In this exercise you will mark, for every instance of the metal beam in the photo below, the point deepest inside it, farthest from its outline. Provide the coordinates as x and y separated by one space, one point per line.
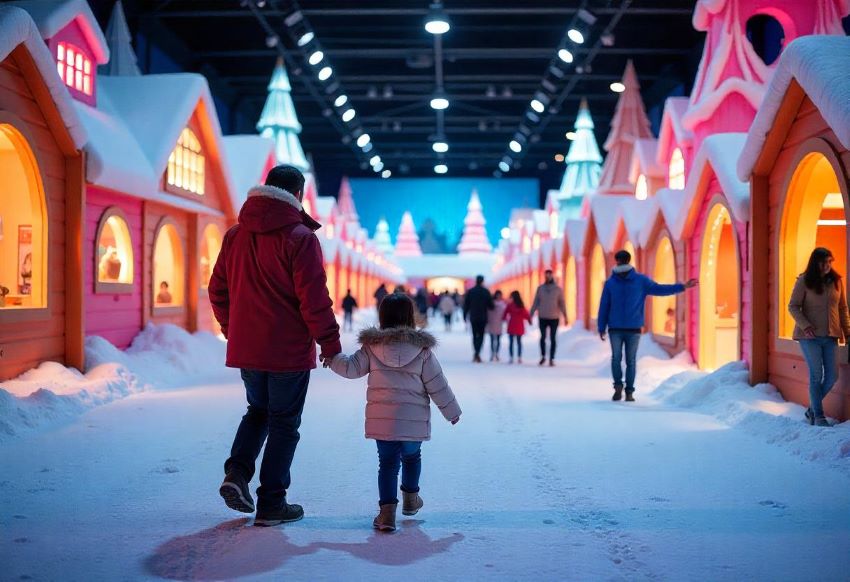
421 12
499 54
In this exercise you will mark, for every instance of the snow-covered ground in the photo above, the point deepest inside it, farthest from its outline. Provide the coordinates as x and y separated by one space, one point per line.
543 478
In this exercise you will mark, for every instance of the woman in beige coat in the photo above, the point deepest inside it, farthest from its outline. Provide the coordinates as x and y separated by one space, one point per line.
404 376
819 307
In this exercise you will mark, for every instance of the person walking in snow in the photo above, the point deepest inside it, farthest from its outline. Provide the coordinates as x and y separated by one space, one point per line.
404 377
447 307
269 293
421 302
495 325
380 293
818 305
621 316
476 304
550 306
349 304
516 315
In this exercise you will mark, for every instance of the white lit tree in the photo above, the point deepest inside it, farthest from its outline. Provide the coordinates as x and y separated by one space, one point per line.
122 58
407 241
474 239
345 201
279 122
584 165
382 237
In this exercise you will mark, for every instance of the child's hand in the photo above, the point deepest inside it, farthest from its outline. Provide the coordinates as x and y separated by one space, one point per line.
455 420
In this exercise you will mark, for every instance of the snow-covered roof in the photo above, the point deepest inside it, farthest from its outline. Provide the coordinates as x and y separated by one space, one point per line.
576 231
447 265
672 128
636 213
606 213
718 154
51 16
541 221
820 65
247 157
324 206
17 28
643 159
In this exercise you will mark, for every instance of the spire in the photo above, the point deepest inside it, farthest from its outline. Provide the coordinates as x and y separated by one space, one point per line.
407 241
630 123
474 239
382 237
584 165
311 195
279 121
345 202
122 59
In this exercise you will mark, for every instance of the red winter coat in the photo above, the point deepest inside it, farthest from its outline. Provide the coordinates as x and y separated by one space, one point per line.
516 316
268 289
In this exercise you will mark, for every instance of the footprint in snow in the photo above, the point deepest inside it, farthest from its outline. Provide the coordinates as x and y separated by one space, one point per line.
21 540
659 499
774 504
166 470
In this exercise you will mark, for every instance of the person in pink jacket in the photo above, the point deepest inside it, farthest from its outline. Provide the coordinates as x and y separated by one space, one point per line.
404 377
516 315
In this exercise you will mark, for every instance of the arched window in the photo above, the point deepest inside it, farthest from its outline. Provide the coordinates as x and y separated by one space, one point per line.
766 36
23 225
186 164
664 308
676 179
210 247
813 216
630 248
169 273
570 282
597 279
641 188
113 257
74 68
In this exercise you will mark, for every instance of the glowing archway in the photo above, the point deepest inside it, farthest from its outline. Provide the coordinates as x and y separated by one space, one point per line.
570 291
597 278
169 274
664 308
676 171
210 247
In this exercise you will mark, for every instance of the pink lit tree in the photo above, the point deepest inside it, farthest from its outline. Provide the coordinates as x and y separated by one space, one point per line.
407 241
474 239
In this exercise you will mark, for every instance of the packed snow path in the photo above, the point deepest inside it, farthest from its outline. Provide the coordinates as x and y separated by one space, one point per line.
544 478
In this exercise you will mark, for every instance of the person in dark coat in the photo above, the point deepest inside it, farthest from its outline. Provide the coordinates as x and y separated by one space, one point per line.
380 293
621 316
349 304
476 305
269 293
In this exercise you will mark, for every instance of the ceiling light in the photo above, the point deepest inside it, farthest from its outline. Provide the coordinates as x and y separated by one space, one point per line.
440 100
306 38
367 148
374 161
576 36
441 169
437 22
272 40
316 57
386 174
571 135
504 166
378 167
341 100
363 140
537 106
559 157
515 146
506 232
325 73
565 55
348 115
440 147
617 87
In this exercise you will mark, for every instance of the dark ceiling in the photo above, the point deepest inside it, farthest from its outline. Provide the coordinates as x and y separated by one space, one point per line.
494 58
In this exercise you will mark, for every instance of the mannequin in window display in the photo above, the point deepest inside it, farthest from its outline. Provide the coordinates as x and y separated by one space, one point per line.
110 265
25 288
164 295
206 271
3 292
670 323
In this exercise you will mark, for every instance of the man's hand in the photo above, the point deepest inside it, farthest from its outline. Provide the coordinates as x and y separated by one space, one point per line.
809 332
691 283
602 336
326 360
455 420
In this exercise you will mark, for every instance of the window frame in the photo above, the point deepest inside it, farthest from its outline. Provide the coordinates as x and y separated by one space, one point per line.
677 159
180 190
106 287
166 310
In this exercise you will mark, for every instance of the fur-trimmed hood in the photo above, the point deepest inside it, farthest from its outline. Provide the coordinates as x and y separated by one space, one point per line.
396 346
269 208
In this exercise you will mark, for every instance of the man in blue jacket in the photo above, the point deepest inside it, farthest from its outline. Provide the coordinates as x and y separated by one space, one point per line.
621 316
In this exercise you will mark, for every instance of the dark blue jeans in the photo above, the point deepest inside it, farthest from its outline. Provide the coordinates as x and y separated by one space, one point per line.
628 341
391 456
821 355
552 326
518 339
275 403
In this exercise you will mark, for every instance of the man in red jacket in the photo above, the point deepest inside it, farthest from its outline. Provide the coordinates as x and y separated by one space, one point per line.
269 293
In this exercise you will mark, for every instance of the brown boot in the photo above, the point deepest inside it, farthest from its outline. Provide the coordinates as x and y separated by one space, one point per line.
412 503
385 520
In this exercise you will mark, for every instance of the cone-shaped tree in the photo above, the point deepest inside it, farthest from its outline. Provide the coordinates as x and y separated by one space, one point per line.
584 165
345 201
382 237
122 59
630 123
280 123
474 239
407 241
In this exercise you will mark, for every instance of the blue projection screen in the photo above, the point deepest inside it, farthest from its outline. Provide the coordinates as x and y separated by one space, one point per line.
438 205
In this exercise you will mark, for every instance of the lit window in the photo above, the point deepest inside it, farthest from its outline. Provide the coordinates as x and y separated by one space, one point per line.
598 275
664 308
168 272
677 170
186 164
210 247
23 225
114 257
74 68
641 189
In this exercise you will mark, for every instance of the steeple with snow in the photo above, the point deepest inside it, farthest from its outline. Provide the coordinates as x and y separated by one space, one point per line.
345 201
474 239
382 237
122 58
407 241
280 123
584 165
629 124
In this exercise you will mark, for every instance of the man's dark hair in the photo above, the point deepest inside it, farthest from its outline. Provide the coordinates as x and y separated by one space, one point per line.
548 272
396 310
287 178
479 280
623 257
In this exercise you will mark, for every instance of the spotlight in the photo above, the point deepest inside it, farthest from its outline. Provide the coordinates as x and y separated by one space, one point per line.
565 55
363 140
504 166
576 36
439 100
617 87
441 168
374 161
367 148
506 232
515 146
440 147
272 40
532 116
571 135
325 73
388 92
559 158
261 3
537 106
437 22
378 167
316 58
386 174
341 100
306 38
348 115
